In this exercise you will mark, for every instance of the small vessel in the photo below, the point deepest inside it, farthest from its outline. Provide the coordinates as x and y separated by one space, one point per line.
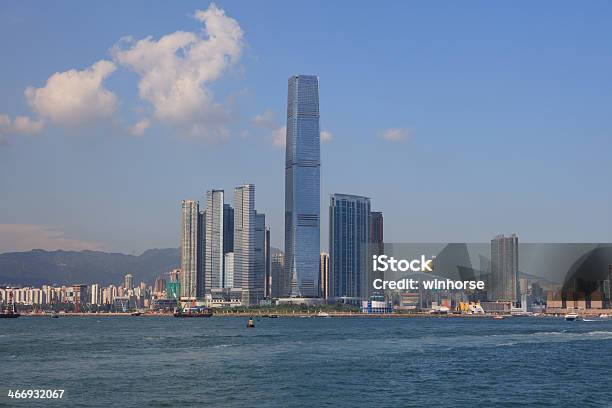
603 316
323 314
570 317
193 312
9 312
54 315
250 323
273 316
498 317
136 313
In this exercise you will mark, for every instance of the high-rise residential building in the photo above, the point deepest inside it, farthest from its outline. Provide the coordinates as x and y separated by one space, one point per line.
128 281
214 271
228 229
191 280
504 282
260 254
280 284
349 253
302 186
324 275
245 224
96 294
267 265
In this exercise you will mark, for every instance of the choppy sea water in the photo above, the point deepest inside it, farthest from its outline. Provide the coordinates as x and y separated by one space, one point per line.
306 362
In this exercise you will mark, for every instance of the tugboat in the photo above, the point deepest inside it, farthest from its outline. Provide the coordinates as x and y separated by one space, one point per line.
193 312
9 312
250 323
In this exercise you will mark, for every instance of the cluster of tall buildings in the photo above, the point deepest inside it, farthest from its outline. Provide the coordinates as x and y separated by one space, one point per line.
225 250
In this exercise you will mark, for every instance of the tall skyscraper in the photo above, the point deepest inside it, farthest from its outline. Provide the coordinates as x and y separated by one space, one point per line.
191 279
377 246
214 271
267 266
349 239
504 282
128 281
260 255
302 186
324 275
245 270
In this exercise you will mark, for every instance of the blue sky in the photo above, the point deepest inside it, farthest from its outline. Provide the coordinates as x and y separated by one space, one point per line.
460 120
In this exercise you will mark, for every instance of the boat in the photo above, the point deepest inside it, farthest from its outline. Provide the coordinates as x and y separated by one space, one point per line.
193 312
136 313
498 317
250 323
323 314
273 316
10 311
54 315
603 316
570 317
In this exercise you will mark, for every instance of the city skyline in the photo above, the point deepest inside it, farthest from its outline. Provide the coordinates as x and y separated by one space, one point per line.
457 149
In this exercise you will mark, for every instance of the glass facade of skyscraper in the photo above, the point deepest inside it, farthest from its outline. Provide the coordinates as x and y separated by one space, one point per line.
302 186
349 246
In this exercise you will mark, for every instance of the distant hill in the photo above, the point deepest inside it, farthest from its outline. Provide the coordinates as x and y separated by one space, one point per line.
39 267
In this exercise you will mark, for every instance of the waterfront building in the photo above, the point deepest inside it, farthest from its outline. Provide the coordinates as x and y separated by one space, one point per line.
96 298
260 255
302 186
349 238
214 271
192 284
245 273
324 275
128 281
504 282
267 265
280 282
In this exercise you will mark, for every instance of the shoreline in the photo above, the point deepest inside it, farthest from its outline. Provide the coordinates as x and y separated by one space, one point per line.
295 315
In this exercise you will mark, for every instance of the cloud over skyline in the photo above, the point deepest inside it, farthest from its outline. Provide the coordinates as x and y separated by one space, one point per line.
177 70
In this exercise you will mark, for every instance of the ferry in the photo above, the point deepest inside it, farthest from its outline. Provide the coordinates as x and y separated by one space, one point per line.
9 312
570 317
193 312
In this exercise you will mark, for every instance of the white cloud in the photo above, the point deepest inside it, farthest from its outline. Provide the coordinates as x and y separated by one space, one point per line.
279 136
24 124
21 125
326 136
395 134
265 119
139 128
177 70
24 237
75 97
